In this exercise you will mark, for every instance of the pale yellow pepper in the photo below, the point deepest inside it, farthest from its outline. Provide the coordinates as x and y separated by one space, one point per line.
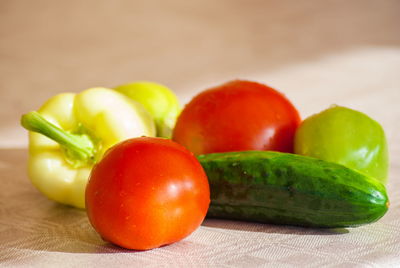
71 132
160 101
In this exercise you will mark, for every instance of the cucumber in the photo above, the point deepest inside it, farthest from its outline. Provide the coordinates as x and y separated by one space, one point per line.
282 188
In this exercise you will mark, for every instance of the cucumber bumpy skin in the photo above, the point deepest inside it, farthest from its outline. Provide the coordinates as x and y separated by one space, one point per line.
282 188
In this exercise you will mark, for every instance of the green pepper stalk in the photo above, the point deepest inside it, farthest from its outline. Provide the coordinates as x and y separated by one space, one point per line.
79 149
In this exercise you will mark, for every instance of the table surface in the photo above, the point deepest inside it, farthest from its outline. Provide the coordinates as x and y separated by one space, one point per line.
348 54
36 231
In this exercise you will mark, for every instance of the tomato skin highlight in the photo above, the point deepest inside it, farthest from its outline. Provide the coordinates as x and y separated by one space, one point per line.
236 116
147 192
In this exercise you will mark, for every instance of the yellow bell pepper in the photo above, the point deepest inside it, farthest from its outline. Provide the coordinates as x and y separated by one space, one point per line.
71 132
160 101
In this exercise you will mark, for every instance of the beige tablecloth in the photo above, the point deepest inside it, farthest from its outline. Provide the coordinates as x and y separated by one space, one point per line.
37 232
316 52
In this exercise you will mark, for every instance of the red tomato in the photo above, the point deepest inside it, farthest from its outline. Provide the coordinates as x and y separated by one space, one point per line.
147 192
237 116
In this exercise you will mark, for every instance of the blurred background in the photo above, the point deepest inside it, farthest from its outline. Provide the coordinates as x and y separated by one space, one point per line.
315 52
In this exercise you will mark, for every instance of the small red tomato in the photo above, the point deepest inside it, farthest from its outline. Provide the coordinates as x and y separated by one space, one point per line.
237 116
147 192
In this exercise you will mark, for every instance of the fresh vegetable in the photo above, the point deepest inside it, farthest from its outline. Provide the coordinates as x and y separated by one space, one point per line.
71 132
283 188
147 192
237 116
347 137
159 100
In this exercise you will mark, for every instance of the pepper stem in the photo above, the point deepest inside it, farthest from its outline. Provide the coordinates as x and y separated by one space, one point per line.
77 147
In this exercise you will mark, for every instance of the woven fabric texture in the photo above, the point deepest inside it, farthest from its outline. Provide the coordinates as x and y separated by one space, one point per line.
36 232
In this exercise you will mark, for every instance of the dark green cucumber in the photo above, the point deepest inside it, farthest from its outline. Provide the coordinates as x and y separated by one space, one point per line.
281 188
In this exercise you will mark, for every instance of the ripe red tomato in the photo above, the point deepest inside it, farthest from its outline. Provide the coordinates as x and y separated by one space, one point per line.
237 116
147 192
